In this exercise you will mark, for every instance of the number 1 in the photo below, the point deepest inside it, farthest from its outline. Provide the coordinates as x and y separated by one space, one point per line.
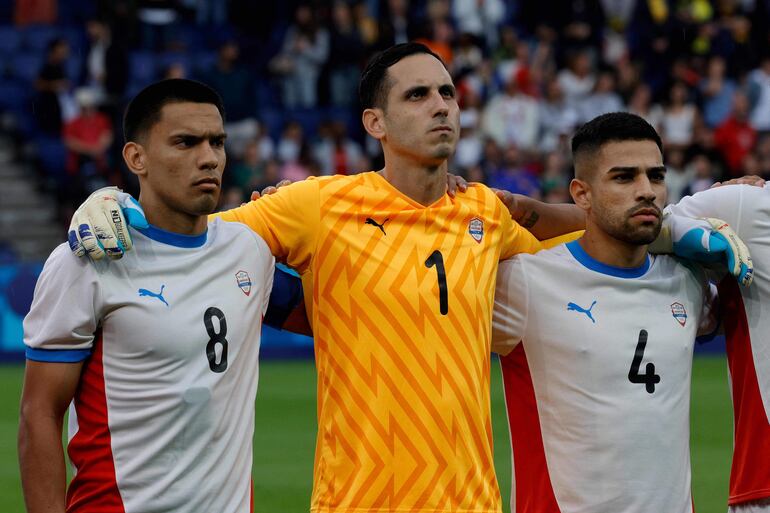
437 259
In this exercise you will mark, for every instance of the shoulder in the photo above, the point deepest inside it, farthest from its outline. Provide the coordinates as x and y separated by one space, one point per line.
232 233
61 260
480 197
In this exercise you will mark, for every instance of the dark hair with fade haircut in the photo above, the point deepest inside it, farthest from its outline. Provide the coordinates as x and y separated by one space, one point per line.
144 109
612 127
374 85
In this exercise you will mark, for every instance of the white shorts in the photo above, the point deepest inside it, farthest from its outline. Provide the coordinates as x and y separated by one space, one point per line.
760 506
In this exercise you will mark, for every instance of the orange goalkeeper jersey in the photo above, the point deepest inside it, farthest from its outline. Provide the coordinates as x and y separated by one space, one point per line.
400 299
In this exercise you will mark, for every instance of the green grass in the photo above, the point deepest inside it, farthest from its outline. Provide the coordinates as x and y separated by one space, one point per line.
285 436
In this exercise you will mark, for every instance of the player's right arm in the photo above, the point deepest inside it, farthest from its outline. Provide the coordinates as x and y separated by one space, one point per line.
58 334
509 317
48 390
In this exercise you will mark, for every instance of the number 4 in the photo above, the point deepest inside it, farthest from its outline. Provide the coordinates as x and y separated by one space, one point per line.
649 378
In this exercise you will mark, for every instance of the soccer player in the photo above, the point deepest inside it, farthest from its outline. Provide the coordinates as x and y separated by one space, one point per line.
598 338
747 330
401 277
156 353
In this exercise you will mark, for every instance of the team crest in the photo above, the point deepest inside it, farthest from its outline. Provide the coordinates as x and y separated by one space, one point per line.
244 281
679 313
476 229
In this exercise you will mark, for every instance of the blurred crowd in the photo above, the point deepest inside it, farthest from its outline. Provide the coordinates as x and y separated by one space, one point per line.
527 72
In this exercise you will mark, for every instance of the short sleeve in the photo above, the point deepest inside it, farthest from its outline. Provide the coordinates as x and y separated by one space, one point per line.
509 318
288 221
65 311
284 298
724 203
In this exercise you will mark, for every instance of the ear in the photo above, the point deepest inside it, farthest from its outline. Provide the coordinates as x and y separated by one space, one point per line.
134 157
374 122
581 193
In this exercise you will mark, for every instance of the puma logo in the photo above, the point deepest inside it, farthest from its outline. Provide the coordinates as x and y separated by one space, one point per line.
149 293
372 222
578 308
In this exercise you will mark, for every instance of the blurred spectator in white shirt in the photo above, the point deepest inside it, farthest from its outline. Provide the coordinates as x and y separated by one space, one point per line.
512 117
759 89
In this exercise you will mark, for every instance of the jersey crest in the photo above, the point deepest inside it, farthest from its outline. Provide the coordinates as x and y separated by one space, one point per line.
244 281
679 313
476 229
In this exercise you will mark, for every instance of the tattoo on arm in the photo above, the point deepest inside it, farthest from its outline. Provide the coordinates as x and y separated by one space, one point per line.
529 219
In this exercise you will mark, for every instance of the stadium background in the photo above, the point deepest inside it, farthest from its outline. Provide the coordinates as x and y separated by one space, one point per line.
527 74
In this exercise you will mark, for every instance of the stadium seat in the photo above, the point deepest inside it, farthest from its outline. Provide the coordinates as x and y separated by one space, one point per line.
165 60
26 66
10 41
37 37
52 156
14 94
204 61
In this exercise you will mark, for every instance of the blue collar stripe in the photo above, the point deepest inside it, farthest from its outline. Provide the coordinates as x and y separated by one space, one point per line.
57 355
619 272
174 239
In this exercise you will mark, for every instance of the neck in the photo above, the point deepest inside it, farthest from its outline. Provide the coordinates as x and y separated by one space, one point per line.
608 250
425 184
164 217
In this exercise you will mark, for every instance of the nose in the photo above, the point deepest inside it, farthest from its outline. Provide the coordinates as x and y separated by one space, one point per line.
645 191
440 105
208 158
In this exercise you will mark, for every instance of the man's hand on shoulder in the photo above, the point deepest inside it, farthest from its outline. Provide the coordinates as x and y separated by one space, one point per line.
99 226
705 240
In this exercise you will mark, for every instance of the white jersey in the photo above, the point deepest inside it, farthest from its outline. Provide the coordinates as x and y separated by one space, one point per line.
598 392
746 318
163 417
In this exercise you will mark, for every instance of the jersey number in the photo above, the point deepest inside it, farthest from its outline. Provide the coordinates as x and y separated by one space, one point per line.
649 379
216 338
437 259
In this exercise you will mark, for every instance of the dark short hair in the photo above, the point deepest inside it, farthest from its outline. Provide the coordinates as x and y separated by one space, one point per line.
612 127
144 109
374 86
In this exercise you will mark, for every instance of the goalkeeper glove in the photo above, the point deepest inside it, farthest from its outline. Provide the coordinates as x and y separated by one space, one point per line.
705 240
99 227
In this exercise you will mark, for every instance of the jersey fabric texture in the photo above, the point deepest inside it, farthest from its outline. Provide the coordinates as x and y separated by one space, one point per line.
163 417
400 296
747 330
598 390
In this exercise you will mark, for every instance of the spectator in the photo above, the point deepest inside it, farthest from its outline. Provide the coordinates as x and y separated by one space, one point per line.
512 118
235 84
678 117
272 175
555 179
467 55
556 117
304 53
604 99
641 105
578 79
158 19
703 175
106 63
347 52
87 138
302 167
678 177
717 91
250 170
292 139
759 89
470 147
394 27
480 18
513 176
338 154
439 40
735 137
53 98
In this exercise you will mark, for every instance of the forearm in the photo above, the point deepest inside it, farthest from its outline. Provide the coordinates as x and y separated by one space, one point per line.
548 220
41 461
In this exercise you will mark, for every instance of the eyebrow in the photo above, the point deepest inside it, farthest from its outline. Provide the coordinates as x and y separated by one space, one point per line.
424 89
196 137
634 169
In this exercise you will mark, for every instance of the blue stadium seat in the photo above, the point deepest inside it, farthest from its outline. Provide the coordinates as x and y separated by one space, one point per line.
52 156
142 67
204 61
10 40
26 66
165 60
14 94
37 37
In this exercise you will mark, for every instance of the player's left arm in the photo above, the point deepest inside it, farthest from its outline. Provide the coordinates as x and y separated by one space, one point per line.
543 220
709 318
286 307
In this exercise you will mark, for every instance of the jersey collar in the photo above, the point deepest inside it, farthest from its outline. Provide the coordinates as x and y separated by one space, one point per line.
174 239
619 272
